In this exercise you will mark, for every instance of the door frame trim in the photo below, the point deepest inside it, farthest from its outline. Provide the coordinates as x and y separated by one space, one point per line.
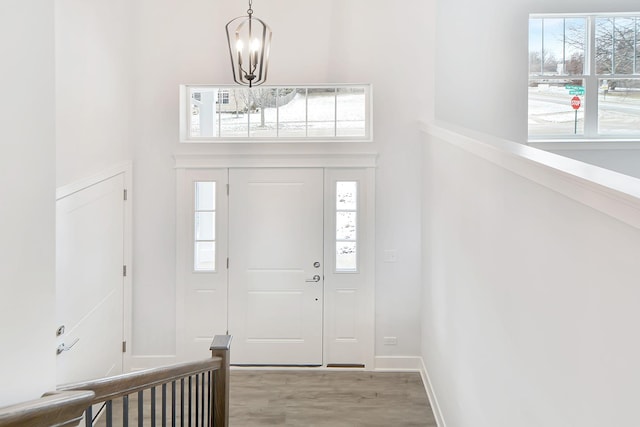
276 160
287 159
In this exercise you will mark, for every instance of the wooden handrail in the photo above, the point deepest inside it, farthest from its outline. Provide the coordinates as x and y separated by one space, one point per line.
58 409
125 384
65 406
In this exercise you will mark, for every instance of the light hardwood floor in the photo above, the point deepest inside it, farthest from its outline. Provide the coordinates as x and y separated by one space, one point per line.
309 399
336 399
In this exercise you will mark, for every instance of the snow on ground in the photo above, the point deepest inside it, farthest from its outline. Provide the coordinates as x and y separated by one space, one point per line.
318 111
550 112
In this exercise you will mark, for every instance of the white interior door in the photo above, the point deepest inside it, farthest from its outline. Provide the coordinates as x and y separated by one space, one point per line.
89 281
276 266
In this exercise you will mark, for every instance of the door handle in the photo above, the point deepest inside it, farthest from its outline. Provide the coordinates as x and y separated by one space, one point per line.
315 279
63 347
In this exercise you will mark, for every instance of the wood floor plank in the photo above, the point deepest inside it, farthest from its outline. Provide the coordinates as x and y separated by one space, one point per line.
313 399
336 399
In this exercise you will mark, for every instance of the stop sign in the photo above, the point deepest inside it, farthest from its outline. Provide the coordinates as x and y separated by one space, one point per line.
575 102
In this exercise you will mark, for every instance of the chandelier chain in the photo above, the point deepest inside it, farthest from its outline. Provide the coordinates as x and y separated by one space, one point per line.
250 10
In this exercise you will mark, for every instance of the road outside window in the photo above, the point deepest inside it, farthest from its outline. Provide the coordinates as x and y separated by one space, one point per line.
584 76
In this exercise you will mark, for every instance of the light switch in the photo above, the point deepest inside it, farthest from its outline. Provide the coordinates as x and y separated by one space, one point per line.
391 255
390 340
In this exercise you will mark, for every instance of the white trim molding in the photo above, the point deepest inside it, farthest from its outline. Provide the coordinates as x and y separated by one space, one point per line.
69 189
431 394
585 145
398 363
275 160
412 364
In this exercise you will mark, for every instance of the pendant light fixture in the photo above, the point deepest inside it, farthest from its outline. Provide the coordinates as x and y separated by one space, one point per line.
249 41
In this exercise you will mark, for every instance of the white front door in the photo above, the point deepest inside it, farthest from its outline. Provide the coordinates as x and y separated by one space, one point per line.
276 266
89 281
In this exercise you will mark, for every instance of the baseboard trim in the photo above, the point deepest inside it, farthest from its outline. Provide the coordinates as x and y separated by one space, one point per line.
412 364
139 363
398 363
431 394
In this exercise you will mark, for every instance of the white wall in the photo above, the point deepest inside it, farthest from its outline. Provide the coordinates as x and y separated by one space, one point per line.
94 86
66 99
482 60
314 42
27 187
530 294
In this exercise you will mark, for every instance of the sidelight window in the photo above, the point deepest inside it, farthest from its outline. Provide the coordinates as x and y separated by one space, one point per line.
346 226
205 226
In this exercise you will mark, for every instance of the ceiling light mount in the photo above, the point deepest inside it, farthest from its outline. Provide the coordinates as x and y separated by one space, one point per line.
249 43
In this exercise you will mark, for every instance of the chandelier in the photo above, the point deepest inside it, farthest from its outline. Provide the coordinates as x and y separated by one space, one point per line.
249 41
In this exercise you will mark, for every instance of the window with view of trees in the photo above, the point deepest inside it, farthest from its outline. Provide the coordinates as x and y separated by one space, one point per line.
584 76
213 113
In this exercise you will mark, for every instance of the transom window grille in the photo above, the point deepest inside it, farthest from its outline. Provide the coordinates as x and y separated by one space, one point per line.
232 113
584 76
204 258
346 226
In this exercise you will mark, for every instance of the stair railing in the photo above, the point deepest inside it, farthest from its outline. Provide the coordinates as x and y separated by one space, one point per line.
193 393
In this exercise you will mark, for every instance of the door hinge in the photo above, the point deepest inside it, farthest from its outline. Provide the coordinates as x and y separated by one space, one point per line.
227 189
124 271
124 346
227 263
125 194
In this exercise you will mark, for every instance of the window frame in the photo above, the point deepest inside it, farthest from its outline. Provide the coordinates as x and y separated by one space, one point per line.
590 80
194 235
185 116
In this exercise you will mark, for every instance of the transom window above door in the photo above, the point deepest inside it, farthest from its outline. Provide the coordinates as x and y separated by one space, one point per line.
275 113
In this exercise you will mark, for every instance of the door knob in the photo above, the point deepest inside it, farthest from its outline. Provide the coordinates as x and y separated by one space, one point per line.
315 278
316 264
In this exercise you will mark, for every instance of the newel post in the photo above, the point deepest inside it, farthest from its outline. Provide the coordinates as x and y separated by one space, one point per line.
220 414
